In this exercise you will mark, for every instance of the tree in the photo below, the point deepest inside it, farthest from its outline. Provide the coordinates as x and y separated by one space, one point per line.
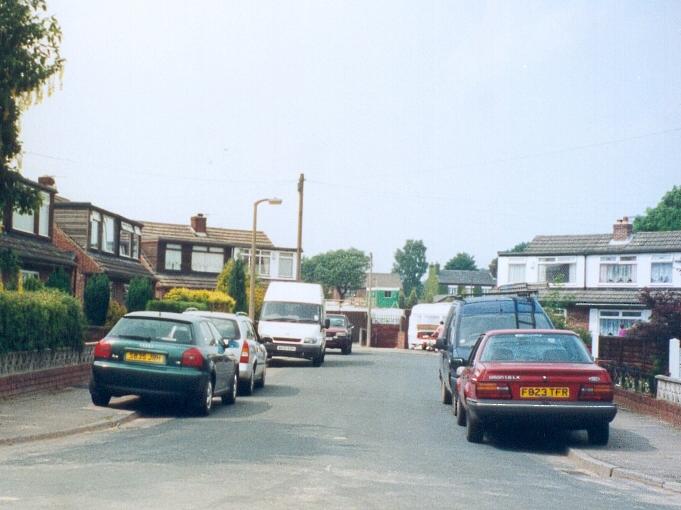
140 292
462 261
236 286
412 300
410 264
520 247
665 216
432 285
29 60
59 280
96 298
494 266
9 269
342 270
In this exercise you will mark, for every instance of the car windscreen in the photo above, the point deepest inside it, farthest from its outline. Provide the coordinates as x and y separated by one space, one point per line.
150 329
337 322
478 318
535 348
290 312
228 328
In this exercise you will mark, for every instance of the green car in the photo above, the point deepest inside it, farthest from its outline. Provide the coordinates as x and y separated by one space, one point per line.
165 355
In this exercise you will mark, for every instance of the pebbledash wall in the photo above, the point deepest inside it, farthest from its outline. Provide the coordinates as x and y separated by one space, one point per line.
36 371
669 389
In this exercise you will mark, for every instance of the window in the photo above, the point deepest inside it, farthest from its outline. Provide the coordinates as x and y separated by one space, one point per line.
206 334
23 222
136 243
618 270
108 234
516 273
207 259
615 322
661 269
125 237
95 229
173 257
387 293
263 261
552 270
44 215
228 328
25 275
286 265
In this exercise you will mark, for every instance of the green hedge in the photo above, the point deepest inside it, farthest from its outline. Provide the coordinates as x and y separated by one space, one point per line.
40 320
168 305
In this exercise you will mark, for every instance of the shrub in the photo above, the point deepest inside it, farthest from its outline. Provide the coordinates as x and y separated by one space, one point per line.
236 286
59 279
163 305
96 298
140 291
9 269
33 284
115 312
223 277
260 291
214 300
40 320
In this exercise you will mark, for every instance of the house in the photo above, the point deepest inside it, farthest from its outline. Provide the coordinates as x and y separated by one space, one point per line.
464 282
103 242
599 276
31 236
192 255
385 289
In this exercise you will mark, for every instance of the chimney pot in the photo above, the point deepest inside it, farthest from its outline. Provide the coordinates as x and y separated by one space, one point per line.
198 223
622 229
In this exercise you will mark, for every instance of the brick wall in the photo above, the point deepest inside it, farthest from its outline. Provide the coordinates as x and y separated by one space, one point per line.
44 380
644 404
385 335
84 263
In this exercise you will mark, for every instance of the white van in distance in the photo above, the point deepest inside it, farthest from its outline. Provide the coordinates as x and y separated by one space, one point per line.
293 321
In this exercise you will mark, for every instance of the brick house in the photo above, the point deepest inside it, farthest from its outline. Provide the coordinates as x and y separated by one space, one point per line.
599 276
103 242
193 255
32 237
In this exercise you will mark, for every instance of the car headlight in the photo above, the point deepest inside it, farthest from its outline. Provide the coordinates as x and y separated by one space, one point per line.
310 340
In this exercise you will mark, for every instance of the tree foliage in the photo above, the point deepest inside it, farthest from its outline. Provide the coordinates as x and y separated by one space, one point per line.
9 269
462 261
411 265
236 286
140 292
520 247
96 298
29 60
432 285
665 216
60 280
342 270
412 300
494 266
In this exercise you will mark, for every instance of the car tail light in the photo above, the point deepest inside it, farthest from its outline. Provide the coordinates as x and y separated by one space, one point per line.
192 358
597 392
245 349
492 390
102 350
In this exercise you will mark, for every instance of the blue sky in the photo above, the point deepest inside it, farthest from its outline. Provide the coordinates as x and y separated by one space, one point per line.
470 125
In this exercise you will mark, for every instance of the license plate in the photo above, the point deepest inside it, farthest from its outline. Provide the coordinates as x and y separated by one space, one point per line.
145 357
544 392
291 348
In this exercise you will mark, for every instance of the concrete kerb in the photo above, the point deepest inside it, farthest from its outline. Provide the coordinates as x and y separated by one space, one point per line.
605 470
92 427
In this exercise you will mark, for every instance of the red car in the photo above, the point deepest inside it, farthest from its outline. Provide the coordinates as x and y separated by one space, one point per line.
533 377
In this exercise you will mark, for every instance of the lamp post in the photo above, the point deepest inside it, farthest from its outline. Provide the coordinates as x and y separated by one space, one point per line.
251 294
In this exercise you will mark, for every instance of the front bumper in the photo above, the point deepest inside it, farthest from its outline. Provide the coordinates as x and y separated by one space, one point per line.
293 350
573 414
337 342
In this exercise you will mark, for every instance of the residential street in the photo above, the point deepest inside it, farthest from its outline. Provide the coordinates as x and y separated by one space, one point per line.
363 431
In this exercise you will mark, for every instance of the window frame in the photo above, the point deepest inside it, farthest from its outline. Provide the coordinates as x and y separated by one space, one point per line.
618 261
174 248
104 242
289 258
207 250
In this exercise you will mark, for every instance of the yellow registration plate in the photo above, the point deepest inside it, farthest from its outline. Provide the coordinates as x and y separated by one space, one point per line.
544 392
146 357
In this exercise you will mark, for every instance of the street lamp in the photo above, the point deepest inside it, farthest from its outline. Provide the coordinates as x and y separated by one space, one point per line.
251 295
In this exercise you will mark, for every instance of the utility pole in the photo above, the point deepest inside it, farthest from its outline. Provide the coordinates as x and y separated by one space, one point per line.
370 297
299 249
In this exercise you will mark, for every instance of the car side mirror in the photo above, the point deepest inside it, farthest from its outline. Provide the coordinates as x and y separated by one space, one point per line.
441 343
459 371
455 363
327 323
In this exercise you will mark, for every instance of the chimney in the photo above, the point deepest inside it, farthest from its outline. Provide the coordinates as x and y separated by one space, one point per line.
621 230
46 180
198 223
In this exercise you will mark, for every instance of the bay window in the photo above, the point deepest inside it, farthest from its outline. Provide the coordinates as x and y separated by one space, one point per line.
173 258
207 259
618 269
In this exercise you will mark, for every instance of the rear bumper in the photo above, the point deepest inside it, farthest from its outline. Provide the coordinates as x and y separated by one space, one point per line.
118 379
293 350
566 414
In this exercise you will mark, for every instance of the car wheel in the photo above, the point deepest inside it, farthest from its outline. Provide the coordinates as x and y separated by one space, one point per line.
474 431
317 360
246 387
205 400
445 394
261 382
230 396
599 434
460 413
347 349
100 398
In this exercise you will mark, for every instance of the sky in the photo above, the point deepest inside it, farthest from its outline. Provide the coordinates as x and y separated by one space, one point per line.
472 126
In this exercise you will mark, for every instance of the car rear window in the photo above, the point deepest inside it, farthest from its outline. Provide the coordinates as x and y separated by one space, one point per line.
535 348
228 328
148 329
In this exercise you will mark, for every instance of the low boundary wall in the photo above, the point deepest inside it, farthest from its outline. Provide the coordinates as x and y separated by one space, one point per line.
646 404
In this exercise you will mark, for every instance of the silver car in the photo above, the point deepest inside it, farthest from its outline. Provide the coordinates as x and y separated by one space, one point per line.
251 353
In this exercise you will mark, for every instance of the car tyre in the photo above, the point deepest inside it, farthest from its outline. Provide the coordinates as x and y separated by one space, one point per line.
100 398
347 348
230 397
246 387
260 383
317 360
205 399
599 434
460 413
474 431
445 394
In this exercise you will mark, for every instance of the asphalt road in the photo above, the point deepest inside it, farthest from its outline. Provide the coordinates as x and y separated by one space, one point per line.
362 431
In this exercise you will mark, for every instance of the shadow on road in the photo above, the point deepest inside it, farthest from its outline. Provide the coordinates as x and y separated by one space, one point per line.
542 441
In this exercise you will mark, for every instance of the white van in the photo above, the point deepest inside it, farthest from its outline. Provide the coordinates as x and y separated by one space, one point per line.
293 321
423 322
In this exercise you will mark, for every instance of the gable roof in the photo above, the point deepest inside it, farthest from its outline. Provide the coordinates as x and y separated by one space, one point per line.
640 242
152 231
465 277
384 281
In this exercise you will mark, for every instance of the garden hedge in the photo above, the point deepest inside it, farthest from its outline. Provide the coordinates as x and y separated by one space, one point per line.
213 299
167 305
45 319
